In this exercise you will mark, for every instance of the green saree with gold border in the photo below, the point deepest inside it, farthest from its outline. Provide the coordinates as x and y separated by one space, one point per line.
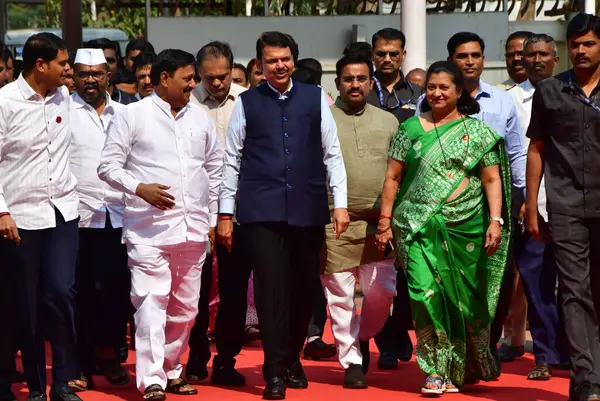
453 285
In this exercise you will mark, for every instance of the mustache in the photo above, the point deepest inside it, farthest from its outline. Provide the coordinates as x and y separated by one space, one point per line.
92 86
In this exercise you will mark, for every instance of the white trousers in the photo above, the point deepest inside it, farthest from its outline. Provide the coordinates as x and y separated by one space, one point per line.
378 285
165 287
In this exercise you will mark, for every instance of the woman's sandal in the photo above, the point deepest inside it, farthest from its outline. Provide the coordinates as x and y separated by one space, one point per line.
114 373
450 387
540 372
154 393
434 385
181 387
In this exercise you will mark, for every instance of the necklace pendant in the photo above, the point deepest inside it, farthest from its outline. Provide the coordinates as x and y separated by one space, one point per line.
450 175
465 137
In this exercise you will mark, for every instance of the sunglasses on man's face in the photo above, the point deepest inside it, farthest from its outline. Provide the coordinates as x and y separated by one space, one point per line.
392 54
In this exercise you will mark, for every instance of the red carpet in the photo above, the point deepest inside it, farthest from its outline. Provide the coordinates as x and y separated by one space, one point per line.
326 379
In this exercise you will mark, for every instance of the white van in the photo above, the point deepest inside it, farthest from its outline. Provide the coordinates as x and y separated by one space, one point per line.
15 39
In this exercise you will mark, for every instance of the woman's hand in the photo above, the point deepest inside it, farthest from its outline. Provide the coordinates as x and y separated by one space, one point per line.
493 237
384 234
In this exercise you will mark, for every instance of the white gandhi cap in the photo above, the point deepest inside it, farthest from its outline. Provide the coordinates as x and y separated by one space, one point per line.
90 57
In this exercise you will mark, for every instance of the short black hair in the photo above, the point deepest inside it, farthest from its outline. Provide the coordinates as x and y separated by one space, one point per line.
583 23
461 38
466 104
313 66
388 34
42 45
215 50
142 60
362 48
517 35
353 58
6 54
100 43
276 39
139 44
252 63
244 69
169 61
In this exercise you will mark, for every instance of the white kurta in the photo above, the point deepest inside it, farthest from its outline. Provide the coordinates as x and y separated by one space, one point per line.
166 249
88 134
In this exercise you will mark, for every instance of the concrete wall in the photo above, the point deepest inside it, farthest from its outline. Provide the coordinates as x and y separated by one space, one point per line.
324 37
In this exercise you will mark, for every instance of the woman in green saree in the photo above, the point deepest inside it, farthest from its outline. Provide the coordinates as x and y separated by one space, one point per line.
444 209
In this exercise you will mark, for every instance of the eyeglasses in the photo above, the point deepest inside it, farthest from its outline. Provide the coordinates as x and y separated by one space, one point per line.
362 79
95 75
513 54
392 54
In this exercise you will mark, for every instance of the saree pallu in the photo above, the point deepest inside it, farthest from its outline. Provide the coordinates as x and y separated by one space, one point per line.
453 284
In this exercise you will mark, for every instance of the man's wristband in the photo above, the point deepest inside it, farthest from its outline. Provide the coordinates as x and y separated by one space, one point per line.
4 214
225 217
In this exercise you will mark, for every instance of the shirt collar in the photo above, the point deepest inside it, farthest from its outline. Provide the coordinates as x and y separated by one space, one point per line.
284 93
340 104
166 107
527 87
28 92
202 94
484 90
80 103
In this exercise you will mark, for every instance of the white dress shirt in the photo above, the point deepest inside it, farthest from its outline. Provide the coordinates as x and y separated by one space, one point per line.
234 145
35 176
219 111
146 144
522 94
88 134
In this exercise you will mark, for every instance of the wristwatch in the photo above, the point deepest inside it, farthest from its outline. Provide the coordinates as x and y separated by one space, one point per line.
498 219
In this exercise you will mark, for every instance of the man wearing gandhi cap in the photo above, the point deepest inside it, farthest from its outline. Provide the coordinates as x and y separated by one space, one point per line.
38 214
103 281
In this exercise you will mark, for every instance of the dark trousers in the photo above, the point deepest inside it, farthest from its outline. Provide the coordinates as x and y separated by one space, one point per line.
44 280
198 342
233 301
400 320
506 290
576 244
537 268
8 316
286 262
103 287
316 326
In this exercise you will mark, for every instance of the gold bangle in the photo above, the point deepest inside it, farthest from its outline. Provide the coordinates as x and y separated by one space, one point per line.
383 230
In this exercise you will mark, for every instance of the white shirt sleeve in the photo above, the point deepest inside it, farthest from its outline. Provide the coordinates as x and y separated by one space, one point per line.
332 156
234 143
115 152
213 164
418 106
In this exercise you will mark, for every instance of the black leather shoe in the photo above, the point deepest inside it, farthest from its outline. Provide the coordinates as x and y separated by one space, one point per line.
227 376
366 356
387 361
16 376
195 372
508 353
586 392
296 376
405 346
36 396
7 395
63 393
354 377
319 349
275 389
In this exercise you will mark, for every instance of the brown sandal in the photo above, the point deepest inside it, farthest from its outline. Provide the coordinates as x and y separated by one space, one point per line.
154 393
540 372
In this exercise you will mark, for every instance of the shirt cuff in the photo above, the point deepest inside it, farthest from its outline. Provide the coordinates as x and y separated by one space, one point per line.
131 184
340 201
226 206
213 219
3 205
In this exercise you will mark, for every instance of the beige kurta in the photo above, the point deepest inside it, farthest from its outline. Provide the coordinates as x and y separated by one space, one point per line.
365 138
